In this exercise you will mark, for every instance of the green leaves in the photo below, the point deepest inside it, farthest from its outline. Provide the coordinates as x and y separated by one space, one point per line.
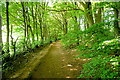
99 67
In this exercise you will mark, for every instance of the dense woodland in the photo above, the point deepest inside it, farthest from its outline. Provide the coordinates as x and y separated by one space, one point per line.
91 27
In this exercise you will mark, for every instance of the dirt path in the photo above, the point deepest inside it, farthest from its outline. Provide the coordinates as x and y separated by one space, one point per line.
58 64
51 62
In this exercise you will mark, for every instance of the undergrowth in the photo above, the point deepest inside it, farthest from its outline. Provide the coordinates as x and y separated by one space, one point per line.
99 44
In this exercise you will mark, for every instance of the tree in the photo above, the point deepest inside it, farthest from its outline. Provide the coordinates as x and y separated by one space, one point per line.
116 8
0 34
7 20
25 25
88 9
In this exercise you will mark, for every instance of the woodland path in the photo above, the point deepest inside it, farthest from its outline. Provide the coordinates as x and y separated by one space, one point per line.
58 63
53 61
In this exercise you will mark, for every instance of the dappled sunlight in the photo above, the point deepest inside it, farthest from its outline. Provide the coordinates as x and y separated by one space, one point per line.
77 58
62 53
68 77
73 69
63 60
86 59
74 50
69 65
51 44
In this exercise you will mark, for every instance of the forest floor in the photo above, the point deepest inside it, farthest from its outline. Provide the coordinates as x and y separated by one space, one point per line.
52 62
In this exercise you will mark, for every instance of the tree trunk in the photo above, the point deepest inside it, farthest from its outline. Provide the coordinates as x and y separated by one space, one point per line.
98 13
45 31
27 27
76 28
11 35
31 32
66 28
0 34
33 17
98 16
41 30
36 25
13 43
7 16
24 16
0 44
89 16
116 23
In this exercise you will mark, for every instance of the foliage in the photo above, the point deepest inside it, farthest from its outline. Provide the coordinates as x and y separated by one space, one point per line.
87 26
70 40
98 44
101 67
